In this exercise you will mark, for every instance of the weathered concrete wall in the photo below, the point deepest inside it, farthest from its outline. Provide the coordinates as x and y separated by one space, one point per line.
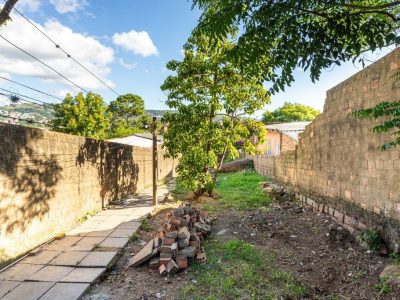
337 155
49 180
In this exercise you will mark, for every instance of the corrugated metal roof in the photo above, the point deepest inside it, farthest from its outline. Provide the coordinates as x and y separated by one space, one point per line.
291 129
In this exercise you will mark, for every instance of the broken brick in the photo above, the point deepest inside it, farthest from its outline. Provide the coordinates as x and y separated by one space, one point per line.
163 270
182 262
194 244
179 212
143 255
171 235
189 251
201 257
183 232
154 263
183 243
172 267
174 250
175 222
165 249
165 258
167 241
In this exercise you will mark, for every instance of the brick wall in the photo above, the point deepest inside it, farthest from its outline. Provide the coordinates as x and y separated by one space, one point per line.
49 180
337 155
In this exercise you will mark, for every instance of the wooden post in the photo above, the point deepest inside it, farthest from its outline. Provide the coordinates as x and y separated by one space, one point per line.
155 161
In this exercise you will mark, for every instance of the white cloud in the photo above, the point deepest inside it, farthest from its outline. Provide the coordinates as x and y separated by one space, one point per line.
68 6
127 65
87 50
137 42
28 6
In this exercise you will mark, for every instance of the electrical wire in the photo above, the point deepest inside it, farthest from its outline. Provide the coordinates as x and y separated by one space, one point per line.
65 52
43 63
31 88
28 97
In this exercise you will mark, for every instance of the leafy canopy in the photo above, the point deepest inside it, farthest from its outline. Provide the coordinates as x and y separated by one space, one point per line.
128 115
277 36
290 113
210 95
82 115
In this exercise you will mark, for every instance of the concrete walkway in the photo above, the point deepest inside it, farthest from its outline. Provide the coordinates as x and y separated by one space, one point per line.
65 268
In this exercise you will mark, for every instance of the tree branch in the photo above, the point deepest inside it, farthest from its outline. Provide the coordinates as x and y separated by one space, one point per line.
5 12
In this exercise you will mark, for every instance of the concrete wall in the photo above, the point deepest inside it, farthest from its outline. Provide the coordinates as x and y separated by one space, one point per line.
337 155
49 180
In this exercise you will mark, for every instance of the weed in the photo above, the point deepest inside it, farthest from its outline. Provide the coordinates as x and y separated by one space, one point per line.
383 286
134 237
396 258
146 226
237 270
371 237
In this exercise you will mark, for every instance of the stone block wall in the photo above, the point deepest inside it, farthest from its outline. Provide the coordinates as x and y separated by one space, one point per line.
49 180
337 155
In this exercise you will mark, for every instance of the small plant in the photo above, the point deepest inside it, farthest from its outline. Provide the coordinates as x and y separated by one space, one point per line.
383 286
396 258
146 226
371 237
134 237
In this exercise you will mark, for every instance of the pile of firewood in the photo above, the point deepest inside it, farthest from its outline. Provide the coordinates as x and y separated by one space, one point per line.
178 242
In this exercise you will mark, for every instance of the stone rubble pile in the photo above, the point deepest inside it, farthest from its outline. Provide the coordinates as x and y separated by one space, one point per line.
177 243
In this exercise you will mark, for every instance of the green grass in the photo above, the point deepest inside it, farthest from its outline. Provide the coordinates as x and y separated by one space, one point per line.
146 226
237 270
240 191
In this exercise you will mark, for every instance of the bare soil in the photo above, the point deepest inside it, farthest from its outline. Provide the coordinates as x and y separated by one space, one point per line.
331 264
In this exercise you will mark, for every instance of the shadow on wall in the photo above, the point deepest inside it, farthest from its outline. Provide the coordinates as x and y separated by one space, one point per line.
28 173
117 170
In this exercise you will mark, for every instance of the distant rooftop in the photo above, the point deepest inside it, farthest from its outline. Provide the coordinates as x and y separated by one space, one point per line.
291 129
144 140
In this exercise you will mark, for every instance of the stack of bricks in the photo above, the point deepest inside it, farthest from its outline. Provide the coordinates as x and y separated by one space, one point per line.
178 242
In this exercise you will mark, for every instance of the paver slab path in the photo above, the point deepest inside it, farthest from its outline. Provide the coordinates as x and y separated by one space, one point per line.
65 268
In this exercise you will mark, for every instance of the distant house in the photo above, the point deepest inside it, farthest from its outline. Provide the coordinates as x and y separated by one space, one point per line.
282 137
144 140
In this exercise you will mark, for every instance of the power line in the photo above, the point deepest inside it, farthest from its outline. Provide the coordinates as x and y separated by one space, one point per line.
66 53
43 63
24 96
31 88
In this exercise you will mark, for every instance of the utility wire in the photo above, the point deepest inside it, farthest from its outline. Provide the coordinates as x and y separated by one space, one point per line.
24 96
24 100
31 88
58 46
43 63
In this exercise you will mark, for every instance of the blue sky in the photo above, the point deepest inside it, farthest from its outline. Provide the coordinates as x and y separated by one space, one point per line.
127 43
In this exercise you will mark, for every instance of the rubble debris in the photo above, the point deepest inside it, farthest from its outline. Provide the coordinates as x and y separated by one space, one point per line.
177 242
144 255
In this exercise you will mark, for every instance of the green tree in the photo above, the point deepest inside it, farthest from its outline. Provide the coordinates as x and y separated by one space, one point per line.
82 115
276 37
290 113
210 95
128 115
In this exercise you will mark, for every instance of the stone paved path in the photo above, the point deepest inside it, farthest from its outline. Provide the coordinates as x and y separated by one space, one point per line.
65 268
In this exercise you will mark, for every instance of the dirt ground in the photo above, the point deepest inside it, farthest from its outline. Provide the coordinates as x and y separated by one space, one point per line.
301 241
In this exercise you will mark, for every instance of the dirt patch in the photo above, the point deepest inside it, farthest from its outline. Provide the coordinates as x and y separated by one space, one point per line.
309 245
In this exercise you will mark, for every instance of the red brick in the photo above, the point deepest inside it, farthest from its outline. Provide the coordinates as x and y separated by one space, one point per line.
182 262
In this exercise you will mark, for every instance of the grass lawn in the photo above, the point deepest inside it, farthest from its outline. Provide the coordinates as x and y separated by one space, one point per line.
236 269
239 191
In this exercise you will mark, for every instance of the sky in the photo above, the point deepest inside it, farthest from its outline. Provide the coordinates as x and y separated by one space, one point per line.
126 43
